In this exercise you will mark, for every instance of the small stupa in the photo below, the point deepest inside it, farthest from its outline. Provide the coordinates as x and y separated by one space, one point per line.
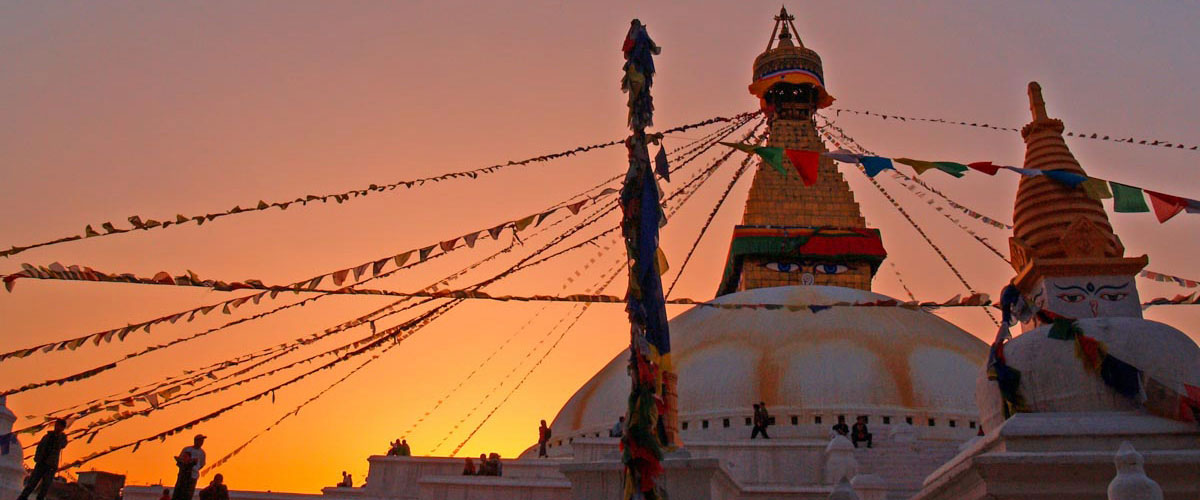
1072 269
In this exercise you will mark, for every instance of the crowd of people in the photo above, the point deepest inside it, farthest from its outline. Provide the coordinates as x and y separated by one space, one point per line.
400 449
489 465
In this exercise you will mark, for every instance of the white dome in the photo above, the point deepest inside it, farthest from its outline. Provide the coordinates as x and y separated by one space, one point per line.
1053 379
844 358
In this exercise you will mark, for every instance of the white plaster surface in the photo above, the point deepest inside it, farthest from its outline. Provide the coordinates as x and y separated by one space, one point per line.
12 471
1053 379
868 359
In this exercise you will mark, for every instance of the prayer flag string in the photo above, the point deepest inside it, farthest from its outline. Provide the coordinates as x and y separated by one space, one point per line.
138 223
979 124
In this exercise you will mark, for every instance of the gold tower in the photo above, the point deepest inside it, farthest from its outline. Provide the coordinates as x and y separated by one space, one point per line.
792 234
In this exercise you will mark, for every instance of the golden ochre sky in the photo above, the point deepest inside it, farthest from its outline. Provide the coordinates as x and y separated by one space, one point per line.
120 108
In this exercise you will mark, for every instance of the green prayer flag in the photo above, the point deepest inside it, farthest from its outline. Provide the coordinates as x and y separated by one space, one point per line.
773 156
949 167
1063 329
1128 199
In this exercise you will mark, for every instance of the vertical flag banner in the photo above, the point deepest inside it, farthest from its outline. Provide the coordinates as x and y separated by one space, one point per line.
652 388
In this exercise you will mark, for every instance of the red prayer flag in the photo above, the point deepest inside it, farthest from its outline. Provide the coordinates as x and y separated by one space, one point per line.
806 163
1165 206
985 167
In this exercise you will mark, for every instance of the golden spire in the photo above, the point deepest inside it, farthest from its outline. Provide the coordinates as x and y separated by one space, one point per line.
1058 230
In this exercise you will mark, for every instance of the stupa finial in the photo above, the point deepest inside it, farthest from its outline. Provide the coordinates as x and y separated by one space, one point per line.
1037 104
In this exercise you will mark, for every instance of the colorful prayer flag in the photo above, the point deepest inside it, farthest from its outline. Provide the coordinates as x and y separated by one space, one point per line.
1096 189
806 163
1165 205
1069 179
1127 199
773 157
875 164
985 167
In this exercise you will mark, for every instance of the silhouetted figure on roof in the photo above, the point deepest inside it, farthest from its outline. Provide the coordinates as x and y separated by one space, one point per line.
190 461
543 439
45 460
215 490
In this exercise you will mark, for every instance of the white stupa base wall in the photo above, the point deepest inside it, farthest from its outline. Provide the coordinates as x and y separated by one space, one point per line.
12 471
1068 456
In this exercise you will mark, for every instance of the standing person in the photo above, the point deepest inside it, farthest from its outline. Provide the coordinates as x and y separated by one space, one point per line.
405 451
347 481
860 433
469 467
543 438
189 461
484 467
46 461
760 420
215 490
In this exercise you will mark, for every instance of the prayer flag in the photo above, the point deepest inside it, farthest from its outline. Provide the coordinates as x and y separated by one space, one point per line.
1096 189
875 164
660 164
985 167
470 239
448 245
524 223
1069 179
920 166
1027 172
952 168
739 146
1127 199
377 266
340 277
424 252
842 155
495 231
1165 205
806 163
773 157
402 258
575 207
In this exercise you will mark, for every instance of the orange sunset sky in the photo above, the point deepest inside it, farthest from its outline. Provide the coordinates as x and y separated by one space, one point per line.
113 109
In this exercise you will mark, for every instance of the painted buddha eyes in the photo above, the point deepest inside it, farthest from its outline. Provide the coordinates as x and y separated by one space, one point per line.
1071 298
793 267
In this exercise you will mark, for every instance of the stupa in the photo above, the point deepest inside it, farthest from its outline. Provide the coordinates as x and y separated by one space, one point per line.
1070 422
909 373
12 472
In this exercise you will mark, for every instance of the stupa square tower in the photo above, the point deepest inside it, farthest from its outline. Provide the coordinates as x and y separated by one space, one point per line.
792 233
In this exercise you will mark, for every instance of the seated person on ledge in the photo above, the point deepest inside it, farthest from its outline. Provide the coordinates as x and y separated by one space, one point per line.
840 427
860 432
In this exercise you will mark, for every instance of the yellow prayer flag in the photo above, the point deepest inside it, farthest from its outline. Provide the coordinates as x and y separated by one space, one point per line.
918 165
524 223
1096 189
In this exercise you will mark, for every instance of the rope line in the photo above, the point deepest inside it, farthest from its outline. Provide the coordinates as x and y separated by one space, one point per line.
179 219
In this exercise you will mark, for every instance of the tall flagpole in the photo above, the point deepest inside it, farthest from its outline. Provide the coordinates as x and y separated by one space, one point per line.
650 427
